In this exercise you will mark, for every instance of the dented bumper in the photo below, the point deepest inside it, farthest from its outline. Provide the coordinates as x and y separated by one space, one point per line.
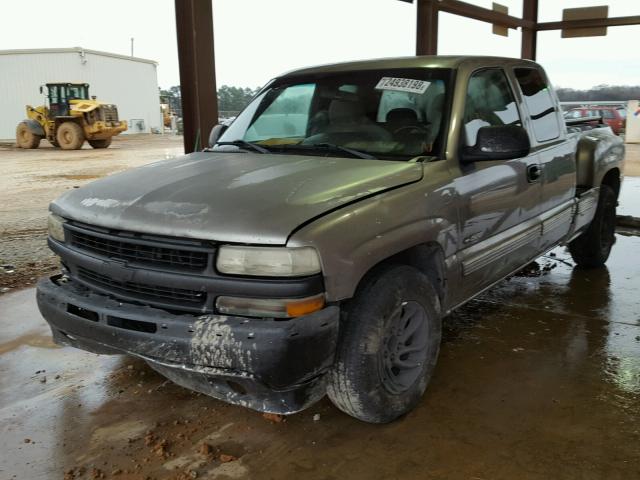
268 365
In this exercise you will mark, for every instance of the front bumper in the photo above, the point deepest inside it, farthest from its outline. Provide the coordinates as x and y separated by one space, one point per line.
269 365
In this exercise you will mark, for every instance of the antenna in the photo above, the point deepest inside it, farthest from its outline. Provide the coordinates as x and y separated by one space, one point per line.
132 46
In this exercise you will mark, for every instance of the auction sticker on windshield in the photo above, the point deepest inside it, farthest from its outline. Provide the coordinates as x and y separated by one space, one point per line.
402 85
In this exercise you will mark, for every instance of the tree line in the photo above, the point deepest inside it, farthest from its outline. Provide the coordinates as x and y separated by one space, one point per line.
230 99
234 99
601 93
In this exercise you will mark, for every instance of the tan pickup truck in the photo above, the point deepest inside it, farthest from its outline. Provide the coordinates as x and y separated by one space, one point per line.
318 243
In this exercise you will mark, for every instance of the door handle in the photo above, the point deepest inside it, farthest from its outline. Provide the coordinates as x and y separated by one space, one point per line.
533 173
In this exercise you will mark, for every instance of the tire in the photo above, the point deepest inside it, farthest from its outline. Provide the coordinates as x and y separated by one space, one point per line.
592 248
25 138
104 143
70 136
394 310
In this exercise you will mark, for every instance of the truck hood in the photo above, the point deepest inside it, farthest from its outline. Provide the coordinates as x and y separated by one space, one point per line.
230 197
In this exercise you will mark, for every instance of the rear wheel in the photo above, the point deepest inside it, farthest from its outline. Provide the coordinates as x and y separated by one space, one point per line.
70 136
25 138
388 347
592 248
104 143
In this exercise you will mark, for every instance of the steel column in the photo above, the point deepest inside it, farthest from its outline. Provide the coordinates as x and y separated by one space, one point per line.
194 27
529 34
427 28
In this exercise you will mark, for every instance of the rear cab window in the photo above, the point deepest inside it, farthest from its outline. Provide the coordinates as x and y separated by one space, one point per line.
539 101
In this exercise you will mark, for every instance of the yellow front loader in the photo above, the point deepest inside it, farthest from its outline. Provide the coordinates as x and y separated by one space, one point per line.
69 118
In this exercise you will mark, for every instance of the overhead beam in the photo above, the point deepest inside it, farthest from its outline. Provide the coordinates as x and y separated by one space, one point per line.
483 14
529 45
196 57
590 23
427 28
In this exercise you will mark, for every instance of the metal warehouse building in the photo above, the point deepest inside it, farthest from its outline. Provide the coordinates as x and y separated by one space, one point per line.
129 82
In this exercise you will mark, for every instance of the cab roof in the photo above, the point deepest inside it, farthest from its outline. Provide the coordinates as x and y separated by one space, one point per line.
430 61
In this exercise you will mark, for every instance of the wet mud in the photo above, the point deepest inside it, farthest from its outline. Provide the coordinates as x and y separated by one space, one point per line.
538 378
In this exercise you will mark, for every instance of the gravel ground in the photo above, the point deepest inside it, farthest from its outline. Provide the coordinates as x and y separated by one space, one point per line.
33 178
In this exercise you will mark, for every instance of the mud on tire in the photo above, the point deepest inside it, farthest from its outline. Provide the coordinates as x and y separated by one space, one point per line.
70 136
25 138
591 249
389 345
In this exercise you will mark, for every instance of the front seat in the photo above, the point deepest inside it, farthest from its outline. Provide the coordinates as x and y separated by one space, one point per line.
348 124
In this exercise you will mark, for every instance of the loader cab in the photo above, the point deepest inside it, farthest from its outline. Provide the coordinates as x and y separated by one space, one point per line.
59 95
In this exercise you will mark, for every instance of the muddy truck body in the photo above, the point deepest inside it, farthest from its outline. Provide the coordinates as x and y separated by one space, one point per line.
318 242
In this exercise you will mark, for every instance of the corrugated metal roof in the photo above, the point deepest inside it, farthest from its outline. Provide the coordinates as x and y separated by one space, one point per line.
76 50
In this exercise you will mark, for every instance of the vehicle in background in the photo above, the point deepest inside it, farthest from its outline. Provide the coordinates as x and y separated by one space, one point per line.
317 244
615 117
69 117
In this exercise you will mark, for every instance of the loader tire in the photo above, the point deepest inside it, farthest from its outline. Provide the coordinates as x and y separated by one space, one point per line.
104 143
70 136
25 138
592 248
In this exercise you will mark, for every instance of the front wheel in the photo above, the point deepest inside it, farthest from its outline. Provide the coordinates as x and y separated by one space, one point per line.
592 248
388 347
25 138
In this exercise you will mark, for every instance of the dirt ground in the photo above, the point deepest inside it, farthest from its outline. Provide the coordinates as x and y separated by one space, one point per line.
32 178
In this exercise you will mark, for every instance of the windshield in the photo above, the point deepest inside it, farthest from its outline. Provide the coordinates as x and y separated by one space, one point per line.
79 92
389 114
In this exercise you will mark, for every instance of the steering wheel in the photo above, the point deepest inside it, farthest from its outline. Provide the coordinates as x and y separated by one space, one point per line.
412 128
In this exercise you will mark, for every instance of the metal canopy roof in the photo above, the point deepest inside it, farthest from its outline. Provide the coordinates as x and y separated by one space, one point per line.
194 23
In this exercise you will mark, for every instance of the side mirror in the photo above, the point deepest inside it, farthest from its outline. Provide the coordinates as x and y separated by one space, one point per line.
498 142
41 89
216 133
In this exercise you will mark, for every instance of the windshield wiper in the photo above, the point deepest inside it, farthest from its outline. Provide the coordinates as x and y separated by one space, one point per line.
244 144
332 146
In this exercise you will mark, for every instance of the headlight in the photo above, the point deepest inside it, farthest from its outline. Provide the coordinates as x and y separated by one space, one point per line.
56 229
268 261
279 308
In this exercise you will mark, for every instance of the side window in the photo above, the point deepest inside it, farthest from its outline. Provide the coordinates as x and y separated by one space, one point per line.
608 114
53 94
539 102
490 101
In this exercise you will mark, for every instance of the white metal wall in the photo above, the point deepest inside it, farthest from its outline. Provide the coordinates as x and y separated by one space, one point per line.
129 83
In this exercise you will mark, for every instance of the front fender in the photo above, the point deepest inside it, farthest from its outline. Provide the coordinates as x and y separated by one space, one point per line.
35 127
354 239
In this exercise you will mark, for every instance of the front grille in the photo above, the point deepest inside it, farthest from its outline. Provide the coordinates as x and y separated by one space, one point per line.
141 252
151 293
110 113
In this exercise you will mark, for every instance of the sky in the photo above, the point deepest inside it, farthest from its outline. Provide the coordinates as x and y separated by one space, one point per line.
256 40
